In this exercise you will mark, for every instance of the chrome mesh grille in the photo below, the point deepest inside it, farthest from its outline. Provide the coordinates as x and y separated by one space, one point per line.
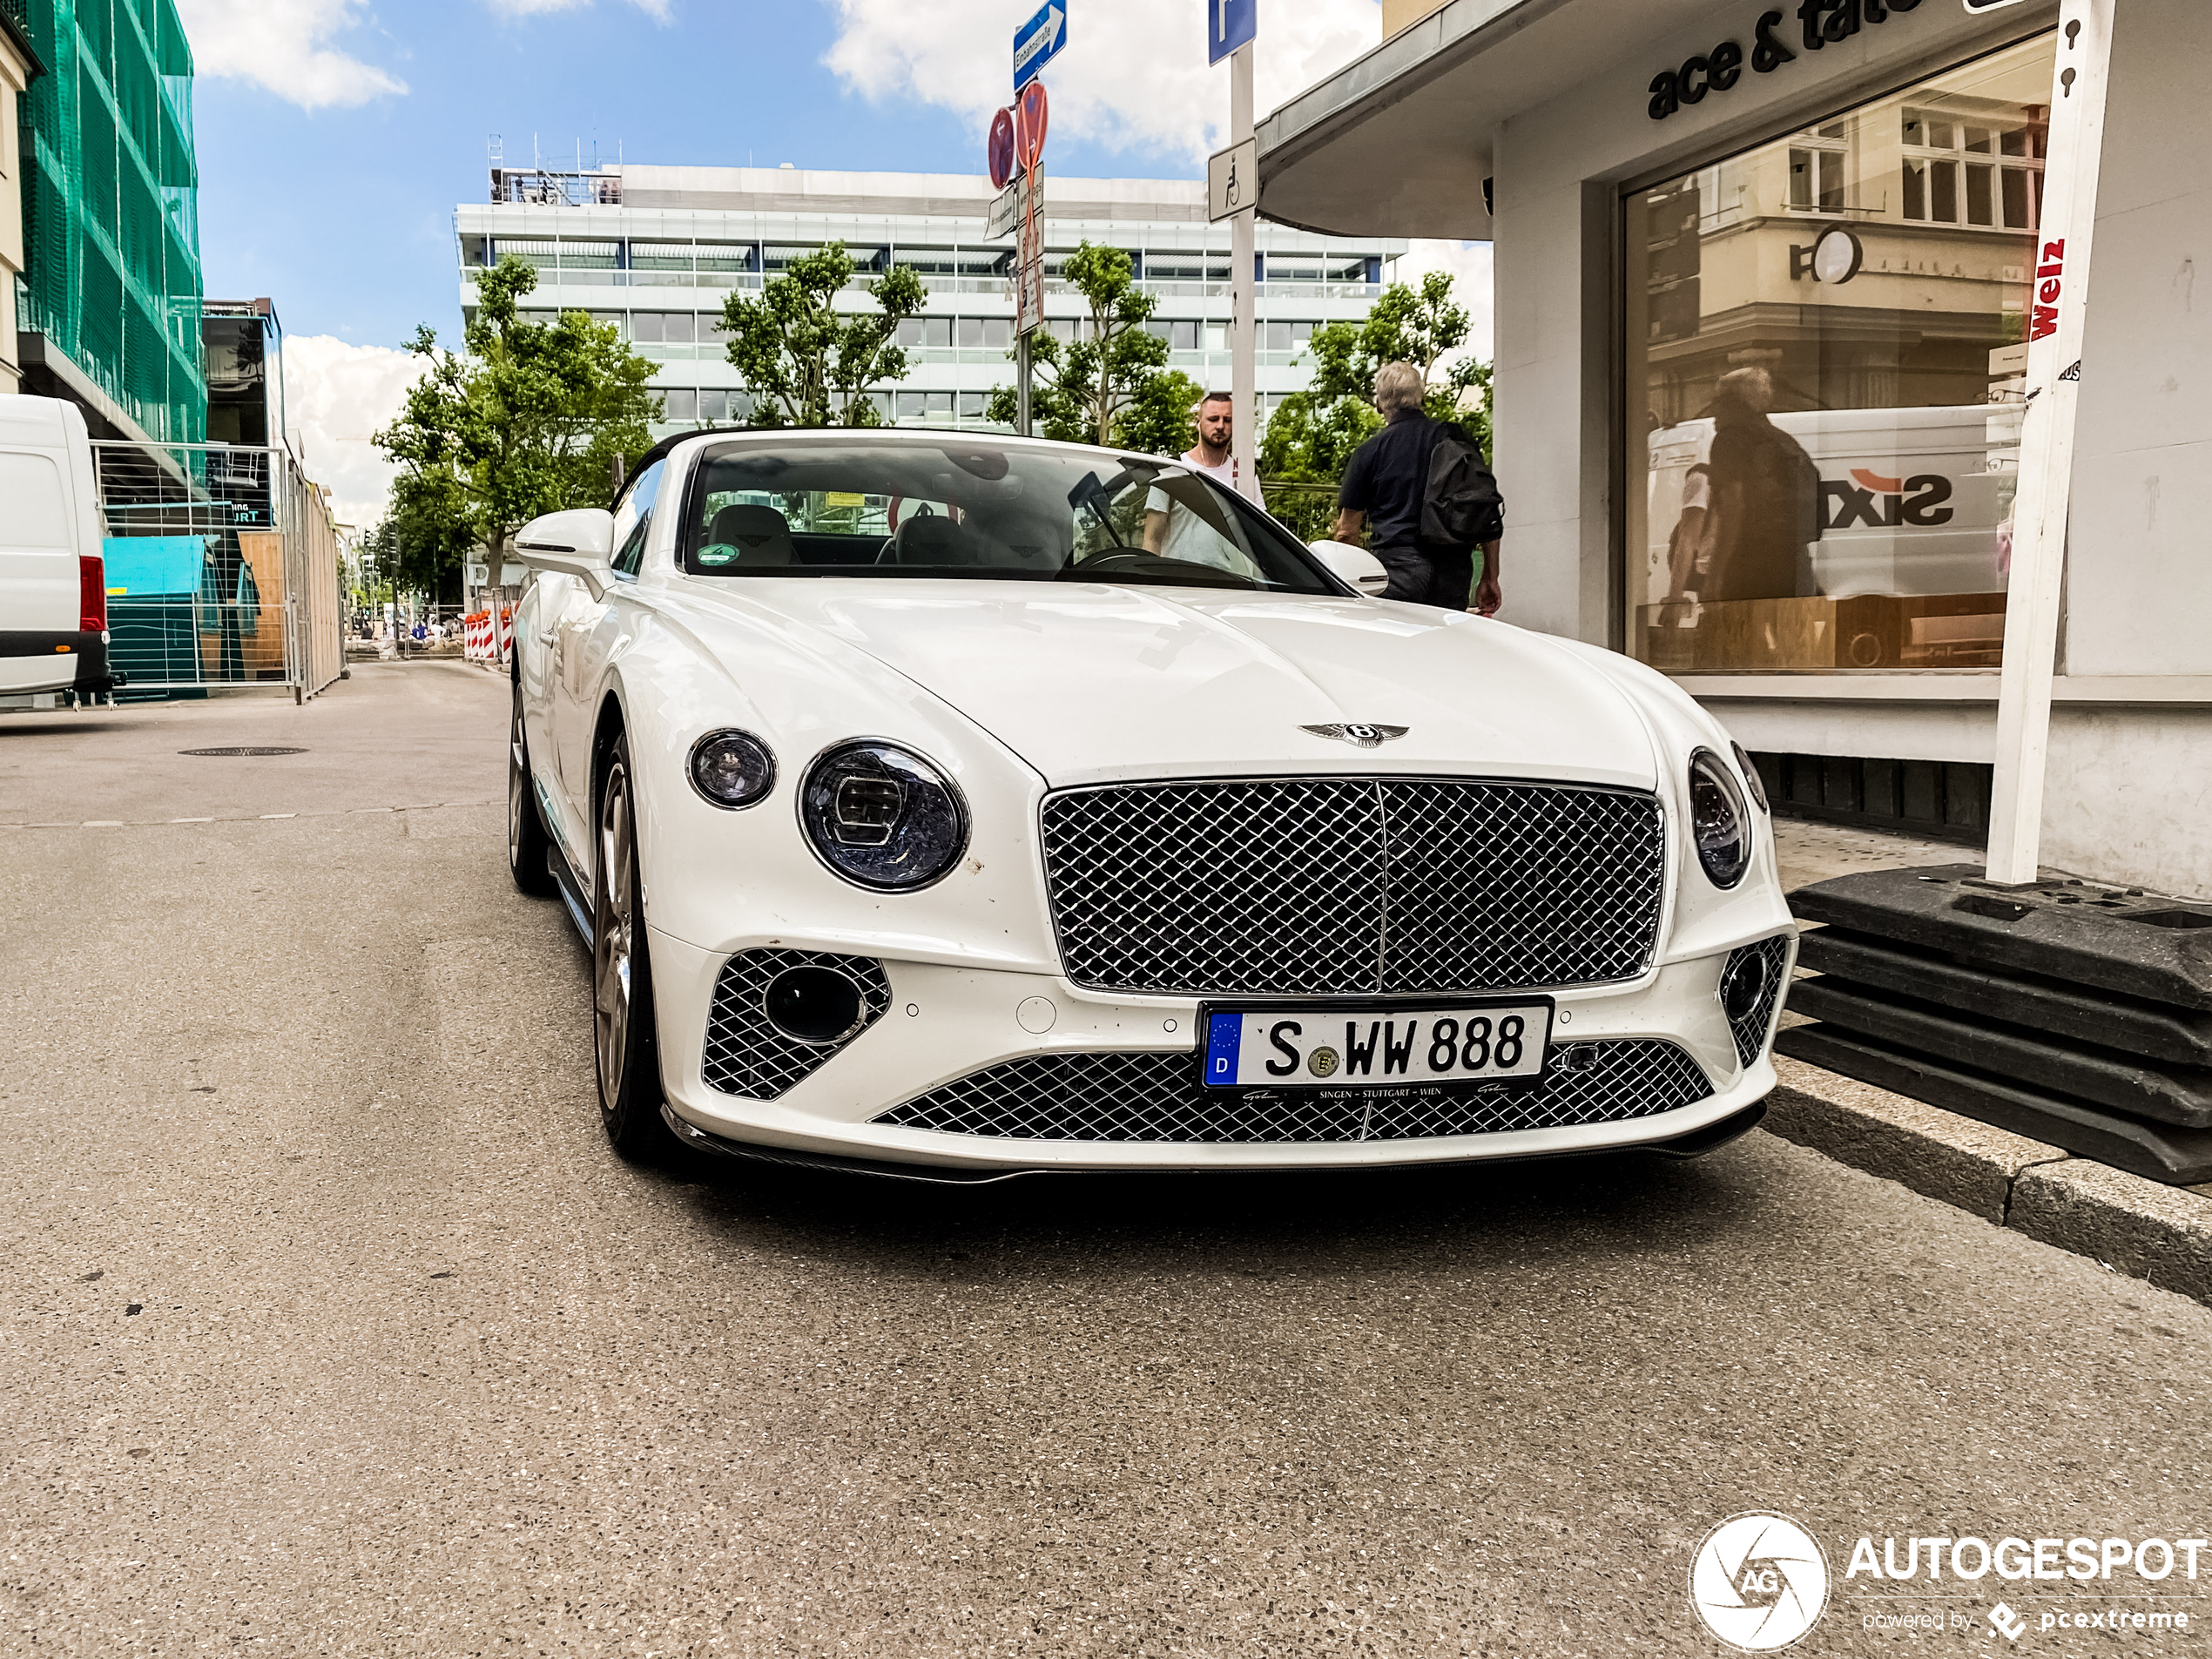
1344 886
1159 1098
1751 1032
746 1054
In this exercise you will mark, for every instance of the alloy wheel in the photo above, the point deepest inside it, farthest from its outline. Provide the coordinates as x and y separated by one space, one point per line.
611 941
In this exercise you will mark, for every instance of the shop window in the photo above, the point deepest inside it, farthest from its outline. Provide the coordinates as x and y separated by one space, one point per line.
1824 346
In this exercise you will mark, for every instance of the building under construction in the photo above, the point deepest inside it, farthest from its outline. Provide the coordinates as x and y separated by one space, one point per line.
108 305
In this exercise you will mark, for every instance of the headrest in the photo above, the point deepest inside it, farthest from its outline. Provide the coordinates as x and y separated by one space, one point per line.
761 534
930 538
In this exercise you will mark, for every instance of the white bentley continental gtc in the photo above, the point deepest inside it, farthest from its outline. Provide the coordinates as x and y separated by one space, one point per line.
955 806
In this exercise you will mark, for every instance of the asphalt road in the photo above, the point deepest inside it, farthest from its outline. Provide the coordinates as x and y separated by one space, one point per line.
332 1327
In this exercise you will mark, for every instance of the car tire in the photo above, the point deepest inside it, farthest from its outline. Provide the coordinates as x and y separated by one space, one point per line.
628 1056
526 841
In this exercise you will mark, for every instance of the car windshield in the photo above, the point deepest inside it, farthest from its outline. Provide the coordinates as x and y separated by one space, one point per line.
866 507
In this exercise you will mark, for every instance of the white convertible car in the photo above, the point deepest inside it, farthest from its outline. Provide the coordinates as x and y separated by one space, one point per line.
955 806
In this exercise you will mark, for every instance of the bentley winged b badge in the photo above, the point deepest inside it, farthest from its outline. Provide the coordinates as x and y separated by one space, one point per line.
1366 737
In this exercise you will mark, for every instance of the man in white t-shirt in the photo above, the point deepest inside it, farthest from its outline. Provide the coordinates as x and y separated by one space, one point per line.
1176 532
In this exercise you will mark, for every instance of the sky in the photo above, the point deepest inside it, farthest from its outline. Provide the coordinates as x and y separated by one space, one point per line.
336 136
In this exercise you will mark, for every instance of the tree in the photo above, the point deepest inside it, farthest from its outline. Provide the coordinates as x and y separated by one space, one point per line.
806 362
1312 433
527 419
426 535
1162 418
1082 389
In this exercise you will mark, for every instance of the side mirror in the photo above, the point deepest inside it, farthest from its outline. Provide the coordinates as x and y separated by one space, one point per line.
579 543
1353 564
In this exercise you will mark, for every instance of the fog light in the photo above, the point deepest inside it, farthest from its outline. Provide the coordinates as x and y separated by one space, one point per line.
813 1004
1743 986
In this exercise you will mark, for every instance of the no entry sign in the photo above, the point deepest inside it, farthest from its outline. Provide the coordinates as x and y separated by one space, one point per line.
1029 125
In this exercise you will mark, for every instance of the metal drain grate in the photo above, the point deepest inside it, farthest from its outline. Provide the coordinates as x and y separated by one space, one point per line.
241 752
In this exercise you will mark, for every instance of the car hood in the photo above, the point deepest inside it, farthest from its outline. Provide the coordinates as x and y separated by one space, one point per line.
1091 681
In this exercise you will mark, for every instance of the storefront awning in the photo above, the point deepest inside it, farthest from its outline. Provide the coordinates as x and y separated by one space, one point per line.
1398 143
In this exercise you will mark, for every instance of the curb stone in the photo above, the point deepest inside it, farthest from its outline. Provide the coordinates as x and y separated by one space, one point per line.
2142 1228
1936 1153
2145 1229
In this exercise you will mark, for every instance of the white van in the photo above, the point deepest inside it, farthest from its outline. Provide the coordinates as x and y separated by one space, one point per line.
1912 500
53 589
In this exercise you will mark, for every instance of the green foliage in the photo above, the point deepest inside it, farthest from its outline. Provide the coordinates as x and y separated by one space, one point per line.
426 535
1162 418
528 420
1083 389
1312 433
806 362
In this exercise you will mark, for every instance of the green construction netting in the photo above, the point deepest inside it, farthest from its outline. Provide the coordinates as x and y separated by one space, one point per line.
111 206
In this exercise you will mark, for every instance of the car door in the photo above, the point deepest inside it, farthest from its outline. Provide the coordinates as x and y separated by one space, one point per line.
584 635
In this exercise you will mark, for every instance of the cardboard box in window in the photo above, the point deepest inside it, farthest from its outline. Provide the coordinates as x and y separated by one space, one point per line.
1869 630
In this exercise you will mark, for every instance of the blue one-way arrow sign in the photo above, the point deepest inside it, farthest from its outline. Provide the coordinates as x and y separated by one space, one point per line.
1230 24
1037 42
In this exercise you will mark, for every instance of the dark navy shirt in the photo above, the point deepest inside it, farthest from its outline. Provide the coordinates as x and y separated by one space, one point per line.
1387 476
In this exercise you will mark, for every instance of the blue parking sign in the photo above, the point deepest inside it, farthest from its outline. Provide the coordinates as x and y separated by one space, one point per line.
1230 24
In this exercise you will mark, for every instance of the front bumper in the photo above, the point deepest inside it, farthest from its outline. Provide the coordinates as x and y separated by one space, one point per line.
944 1024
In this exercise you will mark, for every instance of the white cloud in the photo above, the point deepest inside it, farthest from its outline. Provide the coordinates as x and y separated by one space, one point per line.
336 395
280 46
1134 78
1470 266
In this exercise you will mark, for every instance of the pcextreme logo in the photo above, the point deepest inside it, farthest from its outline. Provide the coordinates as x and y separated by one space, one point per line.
1759 1581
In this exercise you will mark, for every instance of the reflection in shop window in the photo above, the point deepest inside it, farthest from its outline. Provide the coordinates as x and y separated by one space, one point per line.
1825 358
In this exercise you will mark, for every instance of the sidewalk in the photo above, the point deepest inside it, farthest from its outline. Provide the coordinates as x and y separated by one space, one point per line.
2130 1225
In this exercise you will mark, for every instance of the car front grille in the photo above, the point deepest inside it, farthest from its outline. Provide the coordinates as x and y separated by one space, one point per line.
744 1052
1752 1031
1349 885
1159 1098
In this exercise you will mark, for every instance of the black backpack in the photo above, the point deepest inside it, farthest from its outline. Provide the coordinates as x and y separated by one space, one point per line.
1461 506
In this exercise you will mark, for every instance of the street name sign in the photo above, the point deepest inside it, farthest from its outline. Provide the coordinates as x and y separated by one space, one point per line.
1232 180
1230 24
1037 42
1008 208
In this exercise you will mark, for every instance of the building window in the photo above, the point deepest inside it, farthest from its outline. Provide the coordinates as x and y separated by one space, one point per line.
929 334
679 403
1986 172
663 327
1825 346
714 404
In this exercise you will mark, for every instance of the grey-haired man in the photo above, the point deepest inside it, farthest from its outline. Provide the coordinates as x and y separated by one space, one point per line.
1385 484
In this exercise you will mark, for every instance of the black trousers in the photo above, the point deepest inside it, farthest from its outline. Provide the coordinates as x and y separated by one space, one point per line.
1424 577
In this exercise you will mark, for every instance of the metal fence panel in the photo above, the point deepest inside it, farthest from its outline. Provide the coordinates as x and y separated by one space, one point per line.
262 606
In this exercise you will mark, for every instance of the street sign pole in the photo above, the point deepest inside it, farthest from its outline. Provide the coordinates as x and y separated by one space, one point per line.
1243 298
2057 317
1021 386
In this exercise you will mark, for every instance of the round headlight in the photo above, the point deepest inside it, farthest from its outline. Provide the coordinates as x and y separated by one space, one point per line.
1751 777
732 769
881 817
1718 821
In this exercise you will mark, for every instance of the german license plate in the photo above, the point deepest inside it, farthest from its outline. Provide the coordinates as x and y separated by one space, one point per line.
1348 1047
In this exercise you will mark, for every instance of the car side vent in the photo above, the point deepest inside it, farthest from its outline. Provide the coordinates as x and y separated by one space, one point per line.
779 1014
